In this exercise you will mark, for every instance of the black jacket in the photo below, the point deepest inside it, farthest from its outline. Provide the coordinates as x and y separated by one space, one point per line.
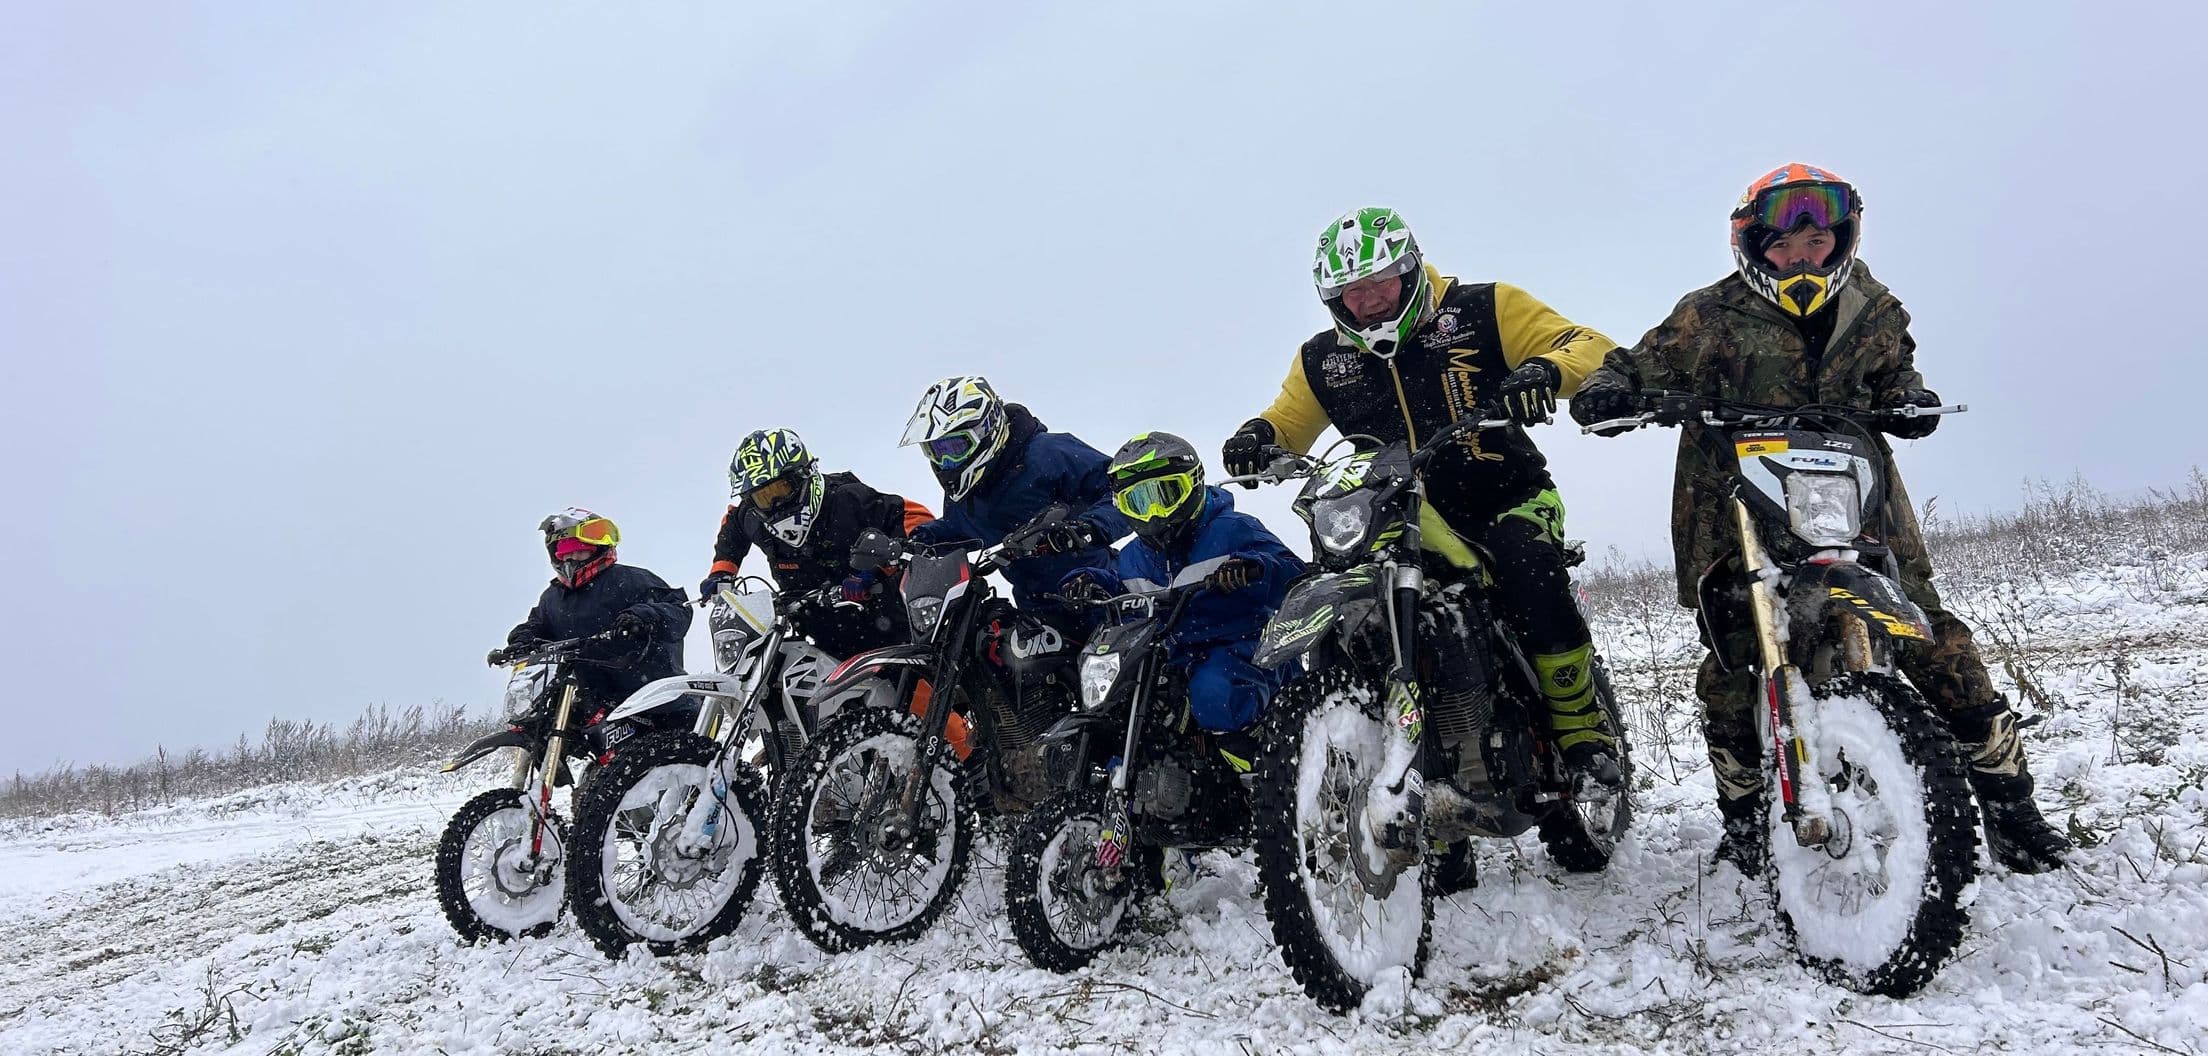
591 608
1452 365
847 510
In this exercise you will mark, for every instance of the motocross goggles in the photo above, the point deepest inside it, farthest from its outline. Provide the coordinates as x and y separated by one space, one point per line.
1788 206
952 449
1148 500
592 531
1397 270
775 493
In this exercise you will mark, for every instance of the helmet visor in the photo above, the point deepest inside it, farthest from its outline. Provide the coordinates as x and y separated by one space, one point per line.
1786 207
952 449
1148 500
1396 270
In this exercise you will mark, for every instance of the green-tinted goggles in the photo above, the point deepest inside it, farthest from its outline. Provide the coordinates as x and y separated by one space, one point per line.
1148 500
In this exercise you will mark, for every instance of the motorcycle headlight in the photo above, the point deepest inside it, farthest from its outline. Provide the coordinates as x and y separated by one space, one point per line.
523 690
1098 673
1341 526
728 651
1826 508
925 612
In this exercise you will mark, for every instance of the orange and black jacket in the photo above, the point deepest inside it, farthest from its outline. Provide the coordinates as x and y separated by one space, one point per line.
1452 365
848 509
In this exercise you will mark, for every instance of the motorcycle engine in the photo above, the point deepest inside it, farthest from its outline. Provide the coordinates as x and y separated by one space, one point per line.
1163 788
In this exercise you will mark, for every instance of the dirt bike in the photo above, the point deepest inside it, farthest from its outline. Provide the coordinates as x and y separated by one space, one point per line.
1419 724
1862 781
668 842
1136 777
501 863
874 826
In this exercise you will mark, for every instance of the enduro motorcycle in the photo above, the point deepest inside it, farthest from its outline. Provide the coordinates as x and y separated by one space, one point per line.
1136 777
668 841
1420 723
1872 834
874 825
500 864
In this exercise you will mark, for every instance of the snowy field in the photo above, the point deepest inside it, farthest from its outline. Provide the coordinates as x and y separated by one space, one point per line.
300 919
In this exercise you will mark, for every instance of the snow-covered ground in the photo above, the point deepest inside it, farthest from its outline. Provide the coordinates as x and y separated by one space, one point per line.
300 919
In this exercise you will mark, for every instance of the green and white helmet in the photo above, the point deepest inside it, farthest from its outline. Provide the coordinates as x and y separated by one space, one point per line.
1368 243
774 474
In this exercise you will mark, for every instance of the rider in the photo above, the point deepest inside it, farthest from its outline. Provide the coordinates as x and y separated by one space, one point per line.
1801 321
1000 469
1410 352
1183 526
592 592
804 522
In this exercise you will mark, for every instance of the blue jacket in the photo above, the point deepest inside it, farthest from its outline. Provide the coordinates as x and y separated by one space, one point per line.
1218 534
1036 470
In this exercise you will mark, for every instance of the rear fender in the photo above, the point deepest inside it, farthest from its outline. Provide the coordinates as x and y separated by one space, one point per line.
486 745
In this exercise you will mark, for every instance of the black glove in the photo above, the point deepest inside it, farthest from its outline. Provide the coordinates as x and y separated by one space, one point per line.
497 658
1064 537
711 585
1236 573
1244 452
1529 393
1914 428
1603 397
629 625
1083 587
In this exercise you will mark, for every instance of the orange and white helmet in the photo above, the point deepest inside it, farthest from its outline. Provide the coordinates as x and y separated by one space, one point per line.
1783 200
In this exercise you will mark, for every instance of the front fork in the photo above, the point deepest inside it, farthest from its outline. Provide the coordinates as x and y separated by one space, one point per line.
1788 707
1395 802
541 795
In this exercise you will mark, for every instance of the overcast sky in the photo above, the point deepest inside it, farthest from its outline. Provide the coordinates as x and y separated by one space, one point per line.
309 312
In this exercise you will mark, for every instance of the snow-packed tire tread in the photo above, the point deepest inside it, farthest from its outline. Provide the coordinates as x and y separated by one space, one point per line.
1023 881
1951 824
787 849
586 862
453 845
1295 930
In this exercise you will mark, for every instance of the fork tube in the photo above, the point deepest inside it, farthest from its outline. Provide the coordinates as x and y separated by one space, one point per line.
1788 752
952 653
554 756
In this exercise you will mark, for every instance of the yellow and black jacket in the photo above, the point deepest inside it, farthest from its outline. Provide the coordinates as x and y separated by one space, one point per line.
1451 366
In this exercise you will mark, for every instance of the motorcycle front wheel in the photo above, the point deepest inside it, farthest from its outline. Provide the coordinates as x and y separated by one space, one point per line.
1877 907
848 872
1342 922
500 876
638 875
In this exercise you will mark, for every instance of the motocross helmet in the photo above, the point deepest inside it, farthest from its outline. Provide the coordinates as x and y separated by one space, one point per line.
1158 482
1371 243
774 474
580 544
961 426
1783 200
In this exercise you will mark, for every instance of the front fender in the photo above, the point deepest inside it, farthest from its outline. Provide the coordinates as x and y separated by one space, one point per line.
671 689
486 745
888 660
1877 601
1314 605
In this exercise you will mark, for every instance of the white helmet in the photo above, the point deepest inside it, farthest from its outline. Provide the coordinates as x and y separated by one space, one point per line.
960 425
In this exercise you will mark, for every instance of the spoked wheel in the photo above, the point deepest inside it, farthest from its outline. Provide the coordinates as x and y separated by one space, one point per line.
1583 832
1344 917
500 875
1876 907
849 871
1065 906
660 859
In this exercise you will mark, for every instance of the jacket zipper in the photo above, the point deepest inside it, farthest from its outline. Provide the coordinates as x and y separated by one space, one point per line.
1403 402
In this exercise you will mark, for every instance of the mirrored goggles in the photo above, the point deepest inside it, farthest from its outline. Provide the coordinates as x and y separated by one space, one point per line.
952 449
773 493
596 531
1784 208
1148 500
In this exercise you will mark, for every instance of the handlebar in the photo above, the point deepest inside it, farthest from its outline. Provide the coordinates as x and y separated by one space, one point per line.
1666 408
1284 465
562 649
